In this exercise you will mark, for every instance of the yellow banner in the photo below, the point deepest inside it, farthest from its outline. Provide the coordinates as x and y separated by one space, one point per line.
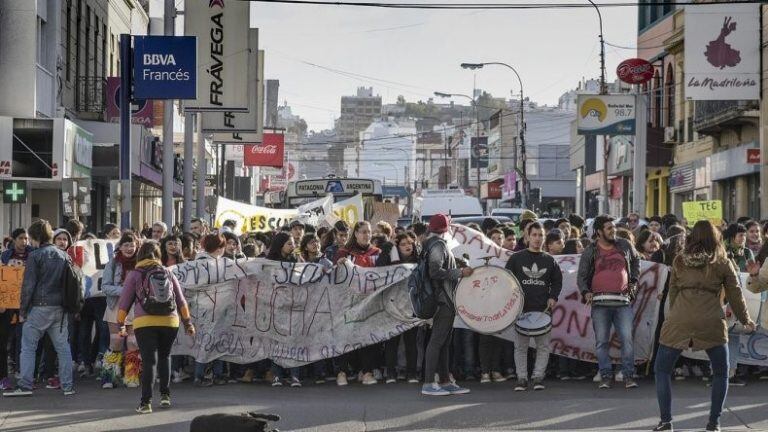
695 211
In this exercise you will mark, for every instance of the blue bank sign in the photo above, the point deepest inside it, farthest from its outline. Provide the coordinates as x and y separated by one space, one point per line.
165 67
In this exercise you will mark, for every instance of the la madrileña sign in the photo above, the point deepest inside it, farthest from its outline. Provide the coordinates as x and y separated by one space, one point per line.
164 67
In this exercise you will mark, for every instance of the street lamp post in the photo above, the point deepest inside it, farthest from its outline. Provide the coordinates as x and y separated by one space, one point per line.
477 122
523 169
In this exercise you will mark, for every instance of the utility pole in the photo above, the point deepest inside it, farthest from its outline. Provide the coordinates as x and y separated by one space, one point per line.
189 151
168 28
201 168
603 91
126 58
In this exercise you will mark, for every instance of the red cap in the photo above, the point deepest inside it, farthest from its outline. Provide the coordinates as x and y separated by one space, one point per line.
439 223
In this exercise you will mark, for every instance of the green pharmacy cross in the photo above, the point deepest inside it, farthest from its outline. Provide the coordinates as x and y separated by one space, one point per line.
14 192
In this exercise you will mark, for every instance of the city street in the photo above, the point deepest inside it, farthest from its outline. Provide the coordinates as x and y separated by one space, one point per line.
398 407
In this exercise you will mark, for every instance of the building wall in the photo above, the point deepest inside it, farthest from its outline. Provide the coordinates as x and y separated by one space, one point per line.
18 48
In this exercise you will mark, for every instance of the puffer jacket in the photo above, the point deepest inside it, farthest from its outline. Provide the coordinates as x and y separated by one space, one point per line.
587 265
696 317
43 278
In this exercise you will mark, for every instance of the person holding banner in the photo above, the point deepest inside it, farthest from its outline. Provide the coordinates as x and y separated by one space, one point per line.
444 274
607 279
112 286
335 238
541 280
700 276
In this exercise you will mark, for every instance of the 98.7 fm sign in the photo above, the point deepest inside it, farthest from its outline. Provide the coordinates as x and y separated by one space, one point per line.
606 115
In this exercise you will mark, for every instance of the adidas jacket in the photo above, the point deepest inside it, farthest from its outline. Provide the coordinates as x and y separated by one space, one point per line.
539 276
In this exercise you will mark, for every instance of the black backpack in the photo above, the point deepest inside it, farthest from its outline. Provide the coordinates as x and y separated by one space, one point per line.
73 288
423 294
157 297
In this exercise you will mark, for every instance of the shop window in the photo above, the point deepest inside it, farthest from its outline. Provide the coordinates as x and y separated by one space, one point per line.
32 148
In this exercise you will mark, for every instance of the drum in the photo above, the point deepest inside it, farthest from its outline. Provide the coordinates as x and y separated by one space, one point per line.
610 300
490 300
534 324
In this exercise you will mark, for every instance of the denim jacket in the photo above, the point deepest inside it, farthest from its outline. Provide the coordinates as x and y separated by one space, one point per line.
43 278
587 265
111 282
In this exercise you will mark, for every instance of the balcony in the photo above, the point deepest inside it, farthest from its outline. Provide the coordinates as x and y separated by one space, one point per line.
90 95
712 117
45 95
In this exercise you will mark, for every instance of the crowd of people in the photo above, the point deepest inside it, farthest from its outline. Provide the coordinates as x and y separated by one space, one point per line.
124 337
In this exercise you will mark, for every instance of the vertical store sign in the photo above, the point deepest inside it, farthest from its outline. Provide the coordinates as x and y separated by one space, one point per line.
221 28
722 52
164 67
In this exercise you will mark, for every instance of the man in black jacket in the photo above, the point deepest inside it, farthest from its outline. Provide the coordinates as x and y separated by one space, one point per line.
541 280
42 309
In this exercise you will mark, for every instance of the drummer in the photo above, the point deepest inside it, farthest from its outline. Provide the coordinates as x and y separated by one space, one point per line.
541 280
610 266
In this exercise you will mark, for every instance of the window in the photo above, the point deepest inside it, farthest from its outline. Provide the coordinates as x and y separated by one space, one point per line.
78 28
103 50
68 42
41 42
95 45
657 100
670 90
87 45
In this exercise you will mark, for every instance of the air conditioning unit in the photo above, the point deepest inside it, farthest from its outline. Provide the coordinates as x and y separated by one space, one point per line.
670 134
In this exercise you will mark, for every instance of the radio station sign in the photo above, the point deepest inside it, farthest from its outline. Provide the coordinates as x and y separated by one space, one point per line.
606 115
164 67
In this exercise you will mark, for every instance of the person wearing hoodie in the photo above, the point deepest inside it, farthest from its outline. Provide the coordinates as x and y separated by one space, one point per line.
404 251
213 248
155 332
701 275
360 252
16 255
112 285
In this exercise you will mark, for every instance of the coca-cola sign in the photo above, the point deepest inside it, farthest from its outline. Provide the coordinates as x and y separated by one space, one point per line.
269 153
635 71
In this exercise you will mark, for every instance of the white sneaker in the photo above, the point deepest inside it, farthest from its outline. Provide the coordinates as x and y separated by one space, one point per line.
619 377
369 379
597 378
485 378
341 379
295 382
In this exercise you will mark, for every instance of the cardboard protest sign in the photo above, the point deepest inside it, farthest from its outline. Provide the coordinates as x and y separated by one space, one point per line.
11 278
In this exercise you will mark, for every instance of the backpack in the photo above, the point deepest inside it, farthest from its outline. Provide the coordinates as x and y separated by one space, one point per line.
157 297
73 288
423 295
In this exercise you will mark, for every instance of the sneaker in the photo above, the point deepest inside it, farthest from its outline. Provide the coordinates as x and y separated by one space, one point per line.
220 381
106 383
276 382
5 384
736 382
678 374
522 385
538 384
455 389
205 382
181 376
620 377
434 389
510 374
413 380
579 377
713 427
630 383
320 380
132 384
605 383
485 378
368 379
69 392
377 375
144 408
81 370
18 391
497 377
663 426
598 378
341 379
268 377
565 377
295 382
390 381
53 383
165 401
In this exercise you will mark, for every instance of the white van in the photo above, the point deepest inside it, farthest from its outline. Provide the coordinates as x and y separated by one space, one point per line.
453 202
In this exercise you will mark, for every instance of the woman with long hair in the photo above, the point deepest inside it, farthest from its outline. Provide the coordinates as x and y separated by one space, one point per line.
171 250
407 252
754 237
155 330
648 245
360 252
112 283
701 275
335 239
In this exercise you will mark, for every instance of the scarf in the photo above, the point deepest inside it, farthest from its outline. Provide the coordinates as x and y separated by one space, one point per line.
146 263
127 263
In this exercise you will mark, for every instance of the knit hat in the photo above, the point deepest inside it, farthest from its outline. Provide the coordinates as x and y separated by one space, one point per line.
528 215
439 223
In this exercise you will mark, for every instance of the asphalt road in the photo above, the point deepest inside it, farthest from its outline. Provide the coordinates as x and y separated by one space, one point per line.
393 407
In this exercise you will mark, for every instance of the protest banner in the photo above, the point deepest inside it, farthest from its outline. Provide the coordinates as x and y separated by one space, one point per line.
318 212
385 211
96 254
292 313
694 211
250 218
351 210
10 286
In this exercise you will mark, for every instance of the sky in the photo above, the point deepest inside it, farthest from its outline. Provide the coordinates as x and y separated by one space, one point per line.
320 53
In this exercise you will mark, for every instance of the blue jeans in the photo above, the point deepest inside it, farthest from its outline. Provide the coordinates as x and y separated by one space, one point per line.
39 321
603 317
665 363
464 351
733 351
218 369
279 371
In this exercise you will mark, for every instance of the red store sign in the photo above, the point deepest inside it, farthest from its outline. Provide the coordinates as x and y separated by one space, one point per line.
753 156
269 153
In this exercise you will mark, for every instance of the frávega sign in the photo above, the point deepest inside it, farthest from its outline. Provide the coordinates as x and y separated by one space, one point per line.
222 30
165 67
